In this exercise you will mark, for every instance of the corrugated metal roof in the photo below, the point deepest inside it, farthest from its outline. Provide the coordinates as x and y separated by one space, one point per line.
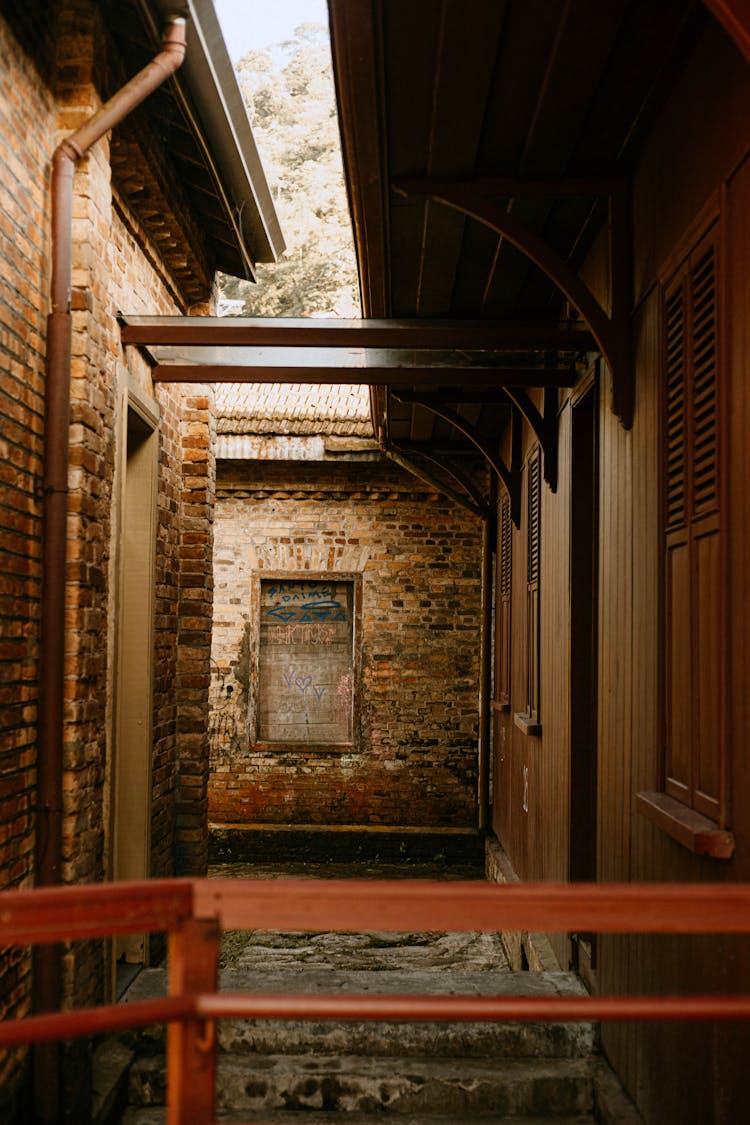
283 408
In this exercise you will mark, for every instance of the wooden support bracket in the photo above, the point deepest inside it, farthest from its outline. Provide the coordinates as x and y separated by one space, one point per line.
544 426
516 467
466 428
484 507
482 200
472 500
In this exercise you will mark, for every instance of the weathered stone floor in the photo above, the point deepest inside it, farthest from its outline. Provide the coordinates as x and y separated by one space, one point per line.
358 1071
273 952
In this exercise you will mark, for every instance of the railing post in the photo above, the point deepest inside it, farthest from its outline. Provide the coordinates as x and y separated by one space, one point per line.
191 1043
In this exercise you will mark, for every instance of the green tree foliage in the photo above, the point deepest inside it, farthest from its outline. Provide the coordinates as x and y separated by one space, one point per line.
292 109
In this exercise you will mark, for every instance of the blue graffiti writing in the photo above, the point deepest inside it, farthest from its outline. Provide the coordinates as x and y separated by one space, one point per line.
302 682
325 609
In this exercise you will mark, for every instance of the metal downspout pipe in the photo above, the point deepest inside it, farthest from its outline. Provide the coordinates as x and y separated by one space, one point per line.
48 841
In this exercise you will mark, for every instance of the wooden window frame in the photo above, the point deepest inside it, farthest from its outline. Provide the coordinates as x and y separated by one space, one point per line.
529 720
693 550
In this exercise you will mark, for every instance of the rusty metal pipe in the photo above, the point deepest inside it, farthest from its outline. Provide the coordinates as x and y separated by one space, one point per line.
48 840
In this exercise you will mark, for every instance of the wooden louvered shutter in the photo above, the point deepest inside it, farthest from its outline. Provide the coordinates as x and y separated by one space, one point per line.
533 568
703 477
678 708
692 550
503 591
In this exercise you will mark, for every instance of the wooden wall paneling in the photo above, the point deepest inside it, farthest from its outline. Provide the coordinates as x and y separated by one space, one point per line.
552 803
731 1058
503 720
676 176
615 693
521 773
737 499
647 617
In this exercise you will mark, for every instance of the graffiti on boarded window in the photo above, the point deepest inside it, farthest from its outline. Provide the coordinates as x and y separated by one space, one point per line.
305 671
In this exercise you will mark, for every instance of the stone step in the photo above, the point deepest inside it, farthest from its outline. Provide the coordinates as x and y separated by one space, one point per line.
257 1085
384 1038
156 1115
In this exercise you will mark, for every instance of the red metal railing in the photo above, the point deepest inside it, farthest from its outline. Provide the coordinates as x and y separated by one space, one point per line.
194 912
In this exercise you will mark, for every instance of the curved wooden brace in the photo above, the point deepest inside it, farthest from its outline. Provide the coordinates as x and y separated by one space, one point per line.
516 466
734 17
611 337
543 425
461 478
468 431
478 509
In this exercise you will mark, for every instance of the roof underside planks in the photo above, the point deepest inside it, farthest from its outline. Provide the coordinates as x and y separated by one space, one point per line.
535 106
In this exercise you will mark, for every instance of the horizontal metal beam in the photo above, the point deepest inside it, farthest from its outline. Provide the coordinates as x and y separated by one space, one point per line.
295 332
368 376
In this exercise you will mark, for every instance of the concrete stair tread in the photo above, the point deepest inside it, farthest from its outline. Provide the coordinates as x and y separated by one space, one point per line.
321 1118
470 1068
153 982
259 1084
157 1116
410 1086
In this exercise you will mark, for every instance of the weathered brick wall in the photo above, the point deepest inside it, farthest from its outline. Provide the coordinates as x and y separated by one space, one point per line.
114 267
194 627
26 111
90 478
413 761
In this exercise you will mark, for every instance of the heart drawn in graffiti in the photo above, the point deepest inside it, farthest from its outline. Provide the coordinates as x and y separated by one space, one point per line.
303 683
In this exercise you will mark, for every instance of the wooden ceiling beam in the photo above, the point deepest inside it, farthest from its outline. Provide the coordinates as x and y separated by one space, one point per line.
505 377
466 335
398 377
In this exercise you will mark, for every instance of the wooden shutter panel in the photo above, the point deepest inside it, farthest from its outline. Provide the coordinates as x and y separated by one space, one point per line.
533 568
703 357
692 547
674 333
535 501
678 642
705 525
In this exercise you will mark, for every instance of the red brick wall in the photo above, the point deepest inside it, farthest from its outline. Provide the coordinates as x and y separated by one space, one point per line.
413 761
114 267
194 628
26 111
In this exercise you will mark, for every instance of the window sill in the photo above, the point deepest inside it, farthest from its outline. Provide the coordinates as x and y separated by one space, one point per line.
301 747
529 724
695 832
504 707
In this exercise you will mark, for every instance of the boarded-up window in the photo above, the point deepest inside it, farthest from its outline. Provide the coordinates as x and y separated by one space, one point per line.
533 569
502 605
692 531
306 667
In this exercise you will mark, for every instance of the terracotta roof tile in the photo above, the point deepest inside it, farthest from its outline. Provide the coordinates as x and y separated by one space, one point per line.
285 408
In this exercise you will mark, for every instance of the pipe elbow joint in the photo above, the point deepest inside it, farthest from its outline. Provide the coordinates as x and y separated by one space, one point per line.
174 39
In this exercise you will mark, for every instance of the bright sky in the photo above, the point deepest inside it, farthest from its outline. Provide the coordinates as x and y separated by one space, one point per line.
254 24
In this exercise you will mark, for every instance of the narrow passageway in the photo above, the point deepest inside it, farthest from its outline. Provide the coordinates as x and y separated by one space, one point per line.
350 1071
